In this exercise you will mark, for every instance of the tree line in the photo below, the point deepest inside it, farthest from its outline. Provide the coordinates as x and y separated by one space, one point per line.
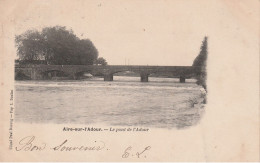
201 62
56 46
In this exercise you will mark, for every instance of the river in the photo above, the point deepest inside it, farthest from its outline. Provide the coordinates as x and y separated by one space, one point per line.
159 103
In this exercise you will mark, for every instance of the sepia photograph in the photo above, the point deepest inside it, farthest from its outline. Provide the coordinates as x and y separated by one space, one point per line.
61 78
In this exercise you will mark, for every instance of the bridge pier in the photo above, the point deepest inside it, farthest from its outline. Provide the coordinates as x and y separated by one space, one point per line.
182 79
55 74
108 77
72 76
36 74
144 77
33 74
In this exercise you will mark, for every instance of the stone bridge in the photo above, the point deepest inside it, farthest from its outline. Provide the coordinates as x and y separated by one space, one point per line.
40 72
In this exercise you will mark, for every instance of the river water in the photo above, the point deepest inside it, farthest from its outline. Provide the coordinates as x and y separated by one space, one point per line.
160 103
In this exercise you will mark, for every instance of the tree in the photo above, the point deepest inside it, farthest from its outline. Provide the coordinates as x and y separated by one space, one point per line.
201 62
59 45
86 52
29 45
56 46
101 61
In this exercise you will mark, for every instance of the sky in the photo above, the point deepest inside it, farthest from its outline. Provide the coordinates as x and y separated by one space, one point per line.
148 32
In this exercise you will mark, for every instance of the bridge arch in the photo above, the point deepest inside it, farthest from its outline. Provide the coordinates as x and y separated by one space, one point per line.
83 74
129 72
125 70
125 73
182 75
20 75
55 74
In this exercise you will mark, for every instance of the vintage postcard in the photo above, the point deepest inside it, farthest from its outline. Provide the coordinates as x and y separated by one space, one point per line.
129 80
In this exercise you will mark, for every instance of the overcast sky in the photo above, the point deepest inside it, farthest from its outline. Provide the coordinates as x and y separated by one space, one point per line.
155 32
